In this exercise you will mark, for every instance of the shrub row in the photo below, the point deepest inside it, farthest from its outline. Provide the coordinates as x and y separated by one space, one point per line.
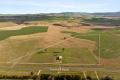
53 77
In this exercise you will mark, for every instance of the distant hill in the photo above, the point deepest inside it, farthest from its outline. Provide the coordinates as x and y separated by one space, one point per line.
77 14
105 14
108 14
20 18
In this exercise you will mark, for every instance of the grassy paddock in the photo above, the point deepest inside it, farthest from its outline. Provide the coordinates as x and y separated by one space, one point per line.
109 41
4 34
70 55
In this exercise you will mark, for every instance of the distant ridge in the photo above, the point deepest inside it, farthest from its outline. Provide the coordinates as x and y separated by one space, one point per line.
105 14
20 18
110 14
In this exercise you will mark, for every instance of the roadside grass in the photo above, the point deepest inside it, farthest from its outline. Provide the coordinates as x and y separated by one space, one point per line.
109 41
4 34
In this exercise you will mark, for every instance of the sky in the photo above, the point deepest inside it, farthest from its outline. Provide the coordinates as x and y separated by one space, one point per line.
56 6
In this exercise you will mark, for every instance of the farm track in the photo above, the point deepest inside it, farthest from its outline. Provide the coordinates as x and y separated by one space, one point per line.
55 67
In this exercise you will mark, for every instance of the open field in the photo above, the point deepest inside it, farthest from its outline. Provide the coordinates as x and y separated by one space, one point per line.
24 31
109 43
83 48
108 40
25 41
81 56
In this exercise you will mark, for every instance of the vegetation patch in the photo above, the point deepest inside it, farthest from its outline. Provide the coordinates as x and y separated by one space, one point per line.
103 21
4 34
61 76
70 55
109 41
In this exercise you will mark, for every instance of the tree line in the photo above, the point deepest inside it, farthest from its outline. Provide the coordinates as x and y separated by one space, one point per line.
53 77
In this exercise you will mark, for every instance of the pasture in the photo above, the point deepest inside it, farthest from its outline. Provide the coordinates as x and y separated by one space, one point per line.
79 52
70 55
109 41
4 34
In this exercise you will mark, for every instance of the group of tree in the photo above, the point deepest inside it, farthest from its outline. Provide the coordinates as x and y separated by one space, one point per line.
53 77
102 21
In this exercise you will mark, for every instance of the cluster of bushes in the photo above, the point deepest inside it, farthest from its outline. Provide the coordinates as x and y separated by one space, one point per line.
102 29
18 77
19 19
53 77
70 77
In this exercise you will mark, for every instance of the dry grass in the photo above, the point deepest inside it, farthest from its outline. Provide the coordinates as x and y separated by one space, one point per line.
7 24
16 46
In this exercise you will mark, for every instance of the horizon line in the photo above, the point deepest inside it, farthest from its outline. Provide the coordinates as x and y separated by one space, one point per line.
58 12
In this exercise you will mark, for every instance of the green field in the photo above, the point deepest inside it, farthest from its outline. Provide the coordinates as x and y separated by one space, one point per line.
4 34
109 41
70 55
